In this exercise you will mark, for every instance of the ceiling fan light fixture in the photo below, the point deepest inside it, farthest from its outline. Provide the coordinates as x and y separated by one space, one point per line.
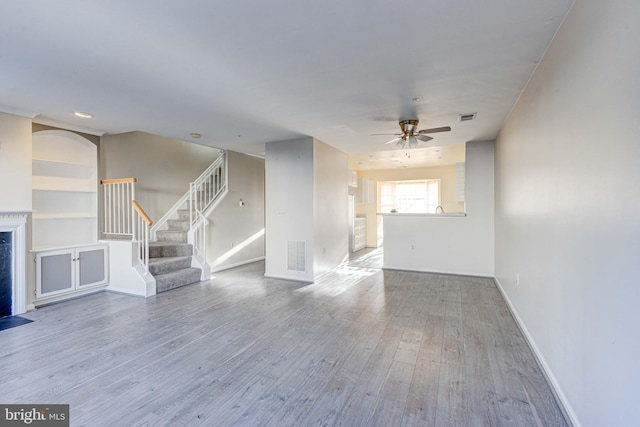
408 126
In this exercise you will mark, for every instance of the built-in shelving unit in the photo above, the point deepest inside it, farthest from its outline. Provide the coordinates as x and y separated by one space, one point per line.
69 261
64 184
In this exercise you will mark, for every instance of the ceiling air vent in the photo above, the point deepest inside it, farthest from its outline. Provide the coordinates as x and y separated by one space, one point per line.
467 117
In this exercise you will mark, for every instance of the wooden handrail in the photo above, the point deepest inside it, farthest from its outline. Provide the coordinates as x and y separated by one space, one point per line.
117 180
141 212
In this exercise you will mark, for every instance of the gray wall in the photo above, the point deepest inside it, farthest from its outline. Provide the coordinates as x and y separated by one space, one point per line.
236 234
330 211
163 166
567 203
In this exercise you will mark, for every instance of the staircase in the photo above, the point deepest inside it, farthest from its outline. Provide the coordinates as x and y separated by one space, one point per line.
168 248
170 256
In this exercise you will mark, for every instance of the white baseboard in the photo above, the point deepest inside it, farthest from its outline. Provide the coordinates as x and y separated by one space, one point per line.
561 398
125 291
42 301
237 264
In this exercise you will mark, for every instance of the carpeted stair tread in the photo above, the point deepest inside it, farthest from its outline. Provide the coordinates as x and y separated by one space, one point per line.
172 236
178 224
165 265
176 279
183 214
168 249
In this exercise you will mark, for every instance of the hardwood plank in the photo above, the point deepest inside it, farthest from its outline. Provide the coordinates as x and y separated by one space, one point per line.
392 397
481 394
422 401
452 387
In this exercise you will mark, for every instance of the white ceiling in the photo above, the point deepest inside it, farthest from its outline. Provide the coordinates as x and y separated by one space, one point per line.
243 73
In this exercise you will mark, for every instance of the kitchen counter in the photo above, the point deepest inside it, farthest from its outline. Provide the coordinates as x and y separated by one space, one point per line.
455 243
426 215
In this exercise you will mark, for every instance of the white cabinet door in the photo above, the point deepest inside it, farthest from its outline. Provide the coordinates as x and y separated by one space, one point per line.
366 191
55 273
359 234
91 266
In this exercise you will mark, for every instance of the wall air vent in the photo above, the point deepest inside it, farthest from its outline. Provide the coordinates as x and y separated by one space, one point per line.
296 255
466 117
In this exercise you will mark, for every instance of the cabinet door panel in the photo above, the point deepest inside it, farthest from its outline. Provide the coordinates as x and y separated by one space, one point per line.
91 268
56 273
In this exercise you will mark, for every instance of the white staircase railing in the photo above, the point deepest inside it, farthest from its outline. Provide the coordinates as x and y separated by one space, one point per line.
203 193
123 216
141 226
117 210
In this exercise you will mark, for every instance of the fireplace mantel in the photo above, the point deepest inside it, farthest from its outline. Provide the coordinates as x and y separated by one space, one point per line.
15 223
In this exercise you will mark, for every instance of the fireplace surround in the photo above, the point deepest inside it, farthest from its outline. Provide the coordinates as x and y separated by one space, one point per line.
15 223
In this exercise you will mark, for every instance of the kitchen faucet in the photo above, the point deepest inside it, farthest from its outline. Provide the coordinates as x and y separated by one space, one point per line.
441 209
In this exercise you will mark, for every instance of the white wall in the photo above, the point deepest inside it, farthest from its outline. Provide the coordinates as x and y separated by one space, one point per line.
164 166
457 245
235 233
567 211
15 163
289 205
331 221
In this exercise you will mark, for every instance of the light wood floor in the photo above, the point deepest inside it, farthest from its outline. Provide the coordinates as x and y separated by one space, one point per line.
362 347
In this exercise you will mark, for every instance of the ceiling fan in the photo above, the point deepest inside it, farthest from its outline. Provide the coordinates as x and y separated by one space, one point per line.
410 136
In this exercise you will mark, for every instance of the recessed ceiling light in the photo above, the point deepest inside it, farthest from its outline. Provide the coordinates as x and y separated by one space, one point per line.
195 135
83 115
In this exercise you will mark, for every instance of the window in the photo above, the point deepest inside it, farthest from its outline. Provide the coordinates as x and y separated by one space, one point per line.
410 196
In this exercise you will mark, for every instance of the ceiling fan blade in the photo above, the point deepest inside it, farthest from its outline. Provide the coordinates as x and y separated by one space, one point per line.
396 134
435 130
396 140
424 138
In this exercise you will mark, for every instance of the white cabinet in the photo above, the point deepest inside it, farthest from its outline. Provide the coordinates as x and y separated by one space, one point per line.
64 272
366 190
352 178
359 233
64 190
